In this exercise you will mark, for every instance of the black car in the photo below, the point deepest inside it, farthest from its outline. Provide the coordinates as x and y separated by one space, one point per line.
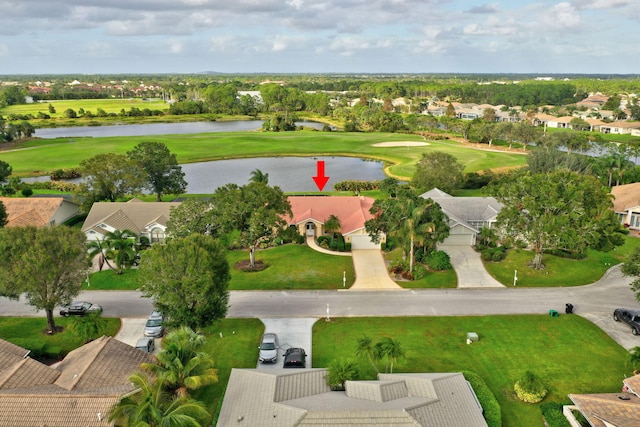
294 358
79 308
630 317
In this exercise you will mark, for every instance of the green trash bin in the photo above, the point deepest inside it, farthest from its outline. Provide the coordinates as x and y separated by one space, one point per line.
553 313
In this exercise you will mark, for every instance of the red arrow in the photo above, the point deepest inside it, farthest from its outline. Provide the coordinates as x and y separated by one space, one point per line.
320 180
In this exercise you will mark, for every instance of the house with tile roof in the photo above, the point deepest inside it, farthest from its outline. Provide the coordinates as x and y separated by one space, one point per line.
621 127
626 205
79 391
467 215
145 219
38 211
301 397
608 409
309 214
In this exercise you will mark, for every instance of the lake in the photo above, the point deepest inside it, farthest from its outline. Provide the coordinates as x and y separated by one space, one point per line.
159 129
291 174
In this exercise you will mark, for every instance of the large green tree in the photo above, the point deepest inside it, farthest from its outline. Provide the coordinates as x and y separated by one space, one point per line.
187 279
560 210
5 171
46 264
3 215
164 174
437 170
413 221
108 177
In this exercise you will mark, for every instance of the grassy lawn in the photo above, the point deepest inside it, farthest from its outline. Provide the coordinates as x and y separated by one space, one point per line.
558 271
44 156
569 353
29 333
236 348
291 267
108 280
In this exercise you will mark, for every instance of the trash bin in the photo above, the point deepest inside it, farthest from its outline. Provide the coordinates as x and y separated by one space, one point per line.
568 308
553 313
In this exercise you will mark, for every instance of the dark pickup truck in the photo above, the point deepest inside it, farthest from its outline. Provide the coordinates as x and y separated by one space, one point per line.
630 317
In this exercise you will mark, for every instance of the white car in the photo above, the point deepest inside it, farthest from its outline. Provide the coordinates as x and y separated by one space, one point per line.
269 348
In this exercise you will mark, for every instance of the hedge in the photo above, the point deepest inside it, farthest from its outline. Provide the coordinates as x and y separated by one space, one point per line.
492 413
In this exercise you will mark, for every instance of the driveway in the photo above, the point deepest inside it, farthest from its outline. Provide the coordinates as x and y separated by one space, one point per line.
292 332
469 268
131 331
371 271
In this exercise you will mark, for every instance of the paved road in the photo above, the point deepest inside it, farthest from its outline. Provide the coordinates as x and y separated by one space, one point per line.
595 302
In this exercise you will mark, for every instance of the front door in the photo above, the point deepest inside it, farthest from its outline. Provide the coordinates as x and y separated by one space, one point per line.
311 229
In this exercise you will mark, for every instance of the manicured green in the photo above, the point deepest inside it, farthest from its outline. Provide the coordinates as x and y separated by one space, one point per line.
108 280
569 353
291 267
30 333
237 347
558 271
64 153
110 105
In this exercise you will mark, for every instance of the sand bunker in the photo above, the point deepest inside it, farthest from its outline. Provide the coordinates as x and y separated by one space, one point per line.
400 144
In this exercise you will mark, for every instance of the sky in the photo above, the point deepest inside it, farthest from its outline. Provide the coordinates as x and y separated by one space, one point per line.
319 36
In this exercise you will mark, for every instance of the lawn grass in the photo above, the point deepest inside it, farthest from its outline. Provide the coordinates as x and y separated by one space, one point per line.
108 280
558 271
30 333
44 156
237 347
569 353
110 105
291 267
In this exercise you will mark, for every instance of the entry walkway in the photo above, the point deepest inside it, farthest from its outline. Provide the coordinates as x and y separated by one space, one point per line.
371 270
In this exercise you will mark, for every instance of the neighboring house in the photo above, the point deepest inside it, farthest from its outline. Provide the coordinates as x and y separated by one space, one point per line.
79 391
38 211
626 204
311 212
621 128
467 215
608 409
145 219
285 397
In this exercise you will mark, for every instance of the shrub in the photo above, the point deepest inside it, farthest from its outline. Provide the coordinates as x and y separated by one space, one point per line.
489 403
553 416
323 241
439 261
530 388
398 266
27 192
347 247
419 271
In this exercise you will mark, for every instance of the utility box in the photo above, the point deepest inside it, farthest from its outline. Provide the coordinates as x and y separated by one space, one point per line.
472 337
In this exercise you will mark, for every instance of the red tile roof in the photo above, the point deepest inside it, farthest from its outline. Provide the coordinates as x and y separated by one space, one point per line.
352 211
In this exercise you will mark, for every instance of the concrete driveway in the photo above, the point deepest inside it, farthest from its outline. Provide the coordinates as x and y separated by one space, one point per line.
469 268
371 271
292 332
132 330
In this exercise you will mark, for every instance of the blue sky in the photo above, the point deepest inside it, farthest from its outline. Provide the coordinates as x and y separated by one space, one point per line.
319 36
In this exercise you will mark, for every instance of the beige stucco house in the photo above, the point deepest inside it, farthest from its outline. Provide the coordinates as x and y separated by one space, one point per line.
38 211
301 397
145 219
626 205
309 214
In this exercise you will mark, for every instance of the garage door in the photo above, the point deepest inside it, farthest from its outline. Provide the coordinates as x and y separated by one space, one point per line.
363 242
459 240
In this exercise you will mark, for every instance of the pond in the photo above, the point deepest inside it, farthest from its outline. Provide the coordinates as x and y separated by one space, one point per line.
160 129
291 174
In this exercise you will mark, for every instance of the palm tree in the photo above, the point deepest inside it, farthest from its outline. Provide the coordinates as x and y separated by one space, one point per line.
152 406
88 327
332 225
412 226
633 359
120 244
181 366
340 371
391 350
99 249
365 349
258 176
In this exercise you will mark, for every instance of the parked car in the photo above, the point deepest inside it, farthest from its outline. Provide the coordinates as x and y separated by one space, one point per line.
269 348
154 326
79 308
630 317
294 357
146 344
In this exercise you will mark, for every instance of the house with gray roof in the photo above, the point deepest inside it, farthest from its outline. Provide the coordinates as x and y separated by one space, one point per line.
301 397
79 391
145 219
467 215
